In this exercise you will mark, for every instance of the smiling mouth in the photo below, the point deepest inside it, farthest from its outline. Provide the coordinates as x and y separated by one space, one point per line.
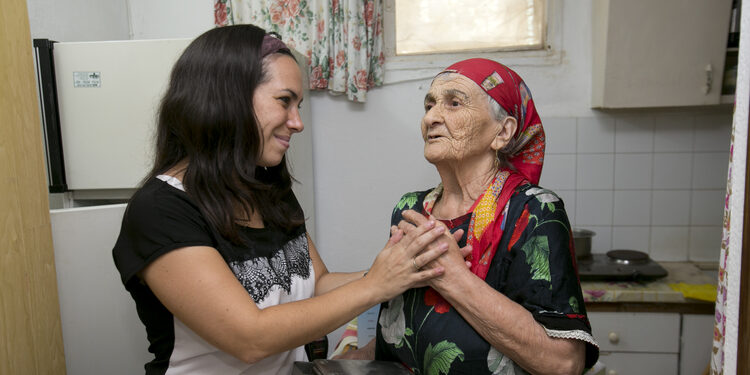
283 140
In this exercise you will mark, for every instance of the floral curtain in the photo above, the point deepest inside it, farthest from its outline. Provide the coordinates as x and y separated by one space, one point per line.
342 39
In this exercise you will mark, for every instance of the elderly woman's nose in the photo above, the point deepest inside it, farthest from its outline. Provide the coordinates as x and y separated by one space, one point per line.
432 116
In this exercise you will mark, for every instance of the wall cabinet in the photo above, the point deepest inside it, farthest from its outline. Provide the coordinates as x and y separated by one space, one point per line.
653 343
658 53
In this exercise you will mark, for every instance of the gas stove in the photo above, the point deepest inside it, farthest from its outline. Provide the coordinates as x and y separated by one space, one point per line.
619 265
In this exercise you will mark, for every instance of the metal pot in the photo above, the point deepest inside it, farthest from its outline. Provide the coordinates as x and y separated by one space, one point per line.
582 241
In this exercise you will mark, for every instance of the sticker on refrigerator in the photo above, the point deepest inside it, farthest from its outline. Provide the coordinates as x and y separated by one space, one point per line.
87 79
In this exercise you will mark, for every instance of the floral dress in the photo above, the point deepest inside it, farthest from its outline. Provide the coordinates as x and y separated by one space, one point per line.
534 266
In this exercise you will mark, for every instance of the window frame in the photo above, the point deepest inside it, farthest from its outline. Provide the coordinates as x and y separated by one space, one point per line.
402 68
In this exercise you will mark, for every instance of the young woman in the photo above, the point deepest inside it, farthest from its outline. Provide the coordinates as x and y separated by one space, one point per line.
213 247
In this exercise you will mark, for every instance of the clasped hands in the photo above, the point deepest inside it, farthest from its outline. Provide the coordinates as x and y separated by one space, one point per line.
420 252
450 259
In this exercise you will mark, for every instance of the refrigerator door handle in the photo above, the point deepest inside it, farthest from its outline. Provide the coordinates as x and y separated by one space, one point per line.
53 148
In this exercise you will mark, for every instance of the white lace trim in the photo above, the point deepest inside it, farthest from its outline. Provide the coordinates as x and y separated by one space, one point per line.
176 183
575 334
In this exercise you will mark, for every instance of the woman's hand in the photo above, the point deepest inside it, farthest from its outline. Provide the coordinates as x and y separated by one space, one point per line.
412 219
465 251
454 257
398 266
456 237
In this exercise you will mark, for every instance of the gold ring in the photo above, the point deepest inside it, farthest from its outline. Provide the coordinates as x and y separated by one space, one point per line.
414 262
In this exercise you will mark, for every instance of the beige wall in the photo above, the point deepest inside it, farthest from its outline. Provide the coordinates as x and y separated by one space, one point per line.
30 333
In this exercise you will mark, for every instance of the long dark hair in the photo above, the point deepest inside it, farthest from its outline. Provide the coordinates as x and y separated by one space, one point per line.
206 116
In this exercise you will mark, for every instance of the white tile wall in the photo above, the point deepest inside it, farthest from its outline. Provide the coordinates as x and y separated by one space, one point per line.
669 243
673 170
633 171
634 134
632 207
710 170
602 241
595 171
594 207
673 133
559 172
595 134
670 207
561 135
713 132
705 243
652 181
707 207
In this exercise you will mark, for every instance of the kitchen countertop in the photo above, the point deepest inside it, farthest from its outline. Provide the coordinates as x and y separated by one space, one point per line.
653 296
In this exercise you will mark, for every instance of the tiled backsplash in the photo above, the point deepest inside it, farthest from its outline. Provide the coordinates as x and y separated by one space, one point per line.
651 182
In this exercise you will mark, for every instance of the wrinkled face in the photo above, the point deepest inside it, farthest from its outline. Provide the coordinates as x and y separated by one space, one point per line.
457 125
276 103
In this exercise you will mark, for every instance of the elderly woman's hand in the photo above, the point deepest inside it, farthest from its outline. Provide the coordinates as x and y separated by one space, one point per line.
396 231
454 257
398 266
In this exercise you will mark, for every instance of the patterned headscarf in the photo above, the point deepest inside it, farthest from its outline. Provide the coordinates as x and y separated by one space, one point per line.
508 89
527 156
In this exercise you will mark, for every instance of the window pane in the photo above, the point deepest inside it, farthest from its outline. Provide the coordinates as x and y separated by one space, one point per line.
435 26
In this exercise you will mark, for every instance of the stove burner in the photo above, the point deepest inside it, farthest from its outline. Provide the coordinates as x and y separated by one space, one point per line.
619 265
627 256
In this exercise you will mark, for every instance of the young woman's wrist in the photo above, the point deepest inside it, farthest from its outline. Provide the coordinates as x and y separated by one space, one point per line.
369 289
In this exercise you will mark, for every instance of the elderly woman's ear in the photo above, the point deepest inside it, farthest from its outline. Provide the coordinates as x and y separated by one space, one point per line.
506 128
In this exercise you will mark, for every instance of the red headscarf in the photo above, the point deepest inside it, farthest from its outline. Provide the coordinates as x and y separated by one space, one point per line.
508 89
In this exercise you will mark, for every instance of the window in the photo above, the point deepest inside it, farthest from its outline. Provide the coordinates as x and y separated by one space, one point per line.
443 26
411 66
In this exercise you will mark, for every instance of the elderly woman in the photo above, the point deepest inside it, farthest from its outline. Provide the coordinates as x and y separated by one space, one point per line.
519 307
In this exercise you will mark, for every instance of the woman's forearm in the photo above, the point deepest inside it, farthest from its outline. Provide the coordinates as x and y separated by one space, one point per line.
198 287
332 280
510 328
286 326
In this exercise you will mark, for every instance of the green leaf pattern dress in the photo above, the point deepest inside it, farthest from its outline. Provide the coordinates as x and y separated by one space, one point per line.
534 266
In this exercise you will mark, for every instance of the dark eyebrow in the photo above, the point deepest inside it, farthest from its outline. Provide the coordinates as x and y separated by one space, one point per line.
429 98
291 93
459 93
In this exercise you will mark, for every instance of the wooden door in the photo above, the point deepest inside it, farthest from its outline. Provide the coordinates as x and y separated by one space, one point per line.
30 332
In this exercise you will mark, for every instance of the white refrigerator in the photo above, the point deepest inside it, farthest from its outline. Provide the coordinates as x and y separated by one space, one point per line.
99 103
101 330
